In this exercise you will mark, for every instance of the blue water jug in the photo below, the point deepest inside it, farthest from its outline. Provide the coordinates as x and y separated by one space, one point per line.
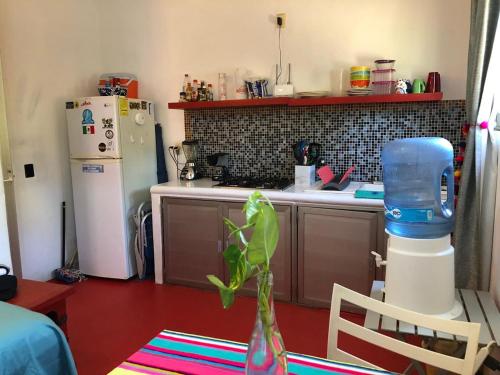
413 169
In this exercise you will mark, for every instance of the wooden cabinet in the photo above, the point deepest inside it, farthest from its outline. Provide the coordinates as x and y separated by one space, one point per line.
195 238
317 247
192 241
334 247
281 263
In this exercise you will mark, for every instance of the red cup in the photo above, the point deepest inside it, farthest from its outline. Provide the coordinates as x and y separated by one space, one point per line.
433 82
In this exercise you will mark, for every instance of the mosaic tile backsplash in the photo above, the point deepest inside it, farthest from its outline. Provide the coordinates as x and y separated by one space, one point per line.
259 140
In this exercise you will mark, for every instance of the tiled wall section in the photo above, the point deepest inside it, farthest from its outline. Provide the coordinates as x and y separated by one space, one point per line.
259 140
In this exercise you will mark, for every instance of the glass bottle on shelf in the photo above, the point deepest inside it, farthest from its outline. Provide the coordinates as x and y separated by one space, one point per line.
202 92
194 95
189 92
210 92
186 81
222 86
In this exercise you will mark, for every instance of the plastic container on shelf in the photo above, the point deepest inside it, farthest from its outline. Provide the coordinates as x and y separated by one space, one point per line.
383 75
383 87
385 64
413 169
122 84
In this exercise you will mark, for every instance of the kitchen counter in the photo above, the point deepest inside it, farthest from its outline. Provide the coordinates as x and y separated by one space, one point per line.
203 189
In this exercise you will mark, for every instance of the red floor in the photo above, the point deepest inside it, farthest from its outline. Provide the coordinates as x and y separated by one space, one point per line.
108 320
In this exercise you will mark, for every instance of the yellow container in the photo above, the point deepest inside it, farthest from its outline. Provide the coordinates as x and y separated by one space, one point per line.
360 69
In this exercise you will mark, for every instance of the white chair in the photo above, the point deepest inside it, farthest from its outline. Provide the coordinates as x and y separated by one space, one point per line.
468 365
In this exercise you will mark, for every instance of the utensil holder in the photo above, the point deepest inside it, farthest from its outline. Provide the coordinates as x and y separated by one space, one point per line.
305 175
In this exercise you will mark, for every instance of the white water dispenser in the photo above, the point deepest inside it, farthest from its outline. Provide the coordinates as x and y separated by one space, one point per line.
420 259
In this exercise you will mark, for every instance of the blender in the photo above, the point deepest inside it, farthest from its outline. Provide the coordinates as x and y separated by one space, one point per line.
190 170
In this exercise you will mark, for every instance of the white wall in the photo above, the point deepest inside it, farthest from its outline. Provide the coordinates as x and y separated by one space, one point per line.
53 50
50 52
166 39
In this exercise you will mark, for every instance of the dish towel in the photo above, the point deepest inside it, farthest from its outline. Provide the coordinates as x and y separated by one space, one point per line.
161 166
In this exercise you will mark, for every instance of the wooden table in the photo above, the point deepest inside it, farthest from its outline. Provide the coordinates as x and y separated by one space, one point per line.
478 306
180 353
45 298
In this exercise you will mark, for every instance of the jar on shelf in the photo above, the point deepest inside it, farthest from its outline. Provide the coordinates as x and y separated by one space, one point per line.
222 86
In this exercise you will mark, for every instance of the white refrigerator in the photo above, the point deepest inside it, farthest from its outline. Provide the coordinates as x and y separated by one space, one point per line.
113 166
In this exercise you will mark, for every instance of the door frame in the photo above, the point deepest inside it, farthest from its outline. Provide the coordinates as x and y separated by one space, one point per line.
8 182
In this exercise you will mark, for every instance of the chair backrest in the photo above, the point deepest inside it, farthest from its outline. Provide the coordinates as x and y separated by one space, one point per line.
456 365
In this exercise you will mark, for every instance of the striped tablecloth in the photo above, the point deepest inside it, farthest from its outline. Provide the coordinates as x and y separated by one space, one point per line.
179 353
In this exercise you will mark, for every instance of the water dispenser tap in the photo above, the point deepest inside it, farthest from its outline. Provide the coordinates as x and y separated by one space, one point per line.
378 259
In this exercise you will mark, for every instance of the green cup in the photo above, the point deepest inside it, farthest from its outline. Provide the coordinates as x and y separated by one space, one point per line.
418 86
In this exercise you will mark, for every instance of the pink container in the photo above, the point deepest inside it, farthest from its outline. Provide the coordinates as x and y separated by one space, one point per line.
383 87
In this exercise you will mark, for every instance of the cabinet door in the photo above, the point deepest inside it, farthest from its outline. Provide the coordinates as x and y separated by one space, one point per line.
281 262
192 241
334 247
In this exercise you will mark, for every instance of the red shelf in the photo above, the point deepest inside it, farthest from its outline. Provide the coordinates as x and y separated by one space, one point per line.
230 103
330 100
395 98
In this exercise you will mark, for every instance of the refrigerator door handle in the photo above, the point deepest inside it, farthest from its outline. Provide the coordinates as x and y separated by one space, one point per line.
95 159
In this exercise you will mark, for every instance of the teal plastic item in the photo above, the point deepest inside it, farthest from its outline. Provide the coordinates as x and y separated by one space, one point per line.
368 194
413 169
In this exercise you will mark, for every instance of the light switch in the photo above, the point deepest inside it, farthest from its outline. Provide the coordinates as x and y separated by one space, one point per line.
29 170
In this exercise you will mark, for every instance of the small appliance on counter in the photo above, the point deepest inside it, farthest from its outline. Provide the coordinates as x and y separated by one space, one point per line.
220 162
190 170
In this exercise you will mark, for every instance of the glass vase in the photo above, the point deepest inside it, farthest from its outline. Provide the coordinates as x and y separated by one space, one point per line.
266 353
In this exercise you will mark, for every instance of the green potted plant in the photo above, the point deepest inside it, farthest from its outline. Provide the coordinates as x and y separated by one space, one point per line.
246 259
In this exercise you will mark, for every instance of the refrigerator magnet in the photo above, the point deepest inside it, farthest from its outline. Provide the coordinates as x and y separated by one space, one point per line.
107 123
123 106
87 117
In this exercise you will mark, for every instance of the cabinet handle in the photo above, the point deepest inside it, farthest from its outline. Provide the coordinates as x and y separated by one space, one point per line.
219 246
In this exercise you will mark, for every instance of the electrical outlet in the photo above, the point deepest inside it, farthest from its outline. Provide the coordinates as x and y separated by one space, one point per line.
283 19
175 149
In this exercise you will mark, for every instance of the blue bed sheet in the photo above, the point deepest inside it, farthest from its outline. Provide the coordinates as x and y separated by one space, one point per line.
30 343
